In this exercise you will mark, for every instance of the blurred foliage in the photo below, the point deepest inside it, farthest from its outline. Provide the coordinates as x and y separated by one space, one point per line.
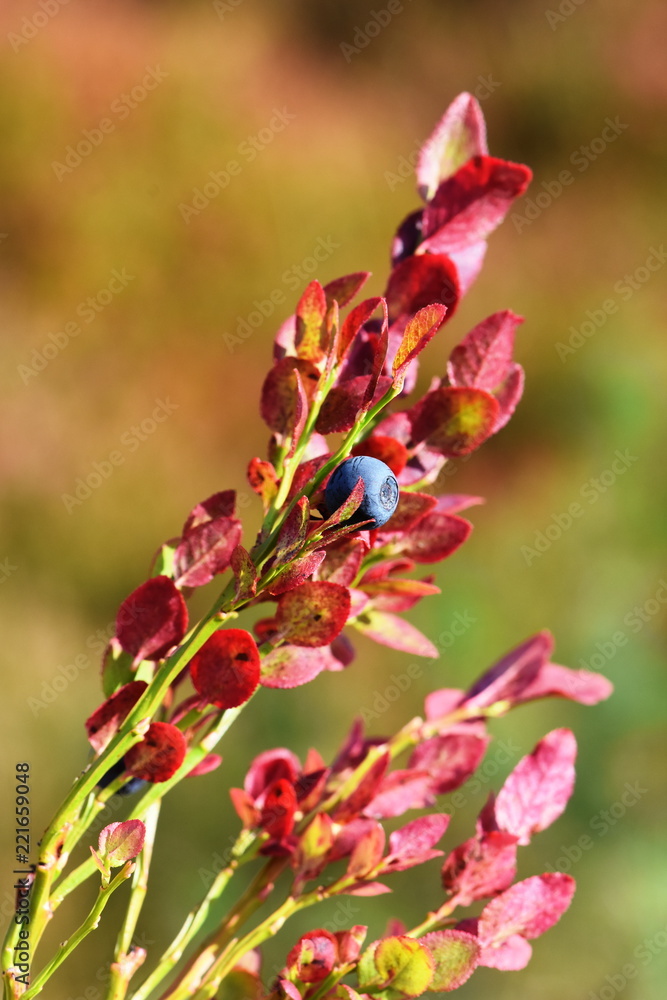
548 80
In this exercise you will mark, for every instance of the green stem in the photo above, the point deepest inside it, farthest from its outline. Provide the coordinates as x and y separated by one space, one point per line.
89 924
243 850
126 961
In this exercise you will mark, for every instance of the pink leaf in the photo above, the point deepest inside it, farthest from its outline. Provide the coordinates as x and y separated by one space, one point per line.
292 666
413 844
450 759
460 134
279 400
152 620
507 679
120 842
434 537
411 506
400 791
537 791
297 572
221 504
484 356
268 767
205 551
106 720
528 908
481 866
584 686
390 630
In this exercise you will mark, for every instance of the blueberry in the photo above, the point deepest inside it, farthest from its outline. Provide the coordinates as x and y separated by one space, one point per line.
132 786
380 495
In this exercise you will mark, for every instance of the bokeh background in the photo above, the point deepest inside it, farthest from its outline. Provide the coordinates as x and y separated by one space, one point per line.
182 86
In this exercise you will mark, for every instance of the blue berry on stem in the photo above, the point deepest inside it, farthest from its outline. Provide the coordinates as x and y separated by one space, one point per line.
380 490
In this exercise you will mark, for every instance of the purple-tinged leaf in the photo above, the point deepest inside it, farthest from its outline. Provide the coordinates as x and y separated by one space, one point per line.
313 614
105 721
439 704
269 767
205 551
484 356
456 956
310 340
420 329
245 574
400 791
450 758
413 844
508 396
454 420
421 281
538 789
346 509
482 866
297 572
390 630
344 289
468 262
152 620
459 135
343 561
507 679
379 358
120 842
357 794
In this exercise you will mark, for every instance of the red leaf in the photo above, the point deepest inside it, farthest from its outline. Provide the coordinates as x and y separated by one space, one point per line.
411 506
400 791
297 572
205 551
482 866
344 289
420 281
292 666
398 595
313 614
340 409
459 135
220 504
353 323
361 792
484 357
277 814
263 480
292 534
449 758
313 956
537 791
106 720
379 358
434 537
420 329
279 400
310 340
152 620
470 204
390 630
528 908
367 852
387 449
211 762
268 767
454 420
225 671
159 755
343 561
584 686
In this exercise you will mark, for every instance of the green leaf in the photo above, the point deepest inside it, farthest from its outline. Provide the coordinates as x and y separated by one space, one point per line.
456 954
399 967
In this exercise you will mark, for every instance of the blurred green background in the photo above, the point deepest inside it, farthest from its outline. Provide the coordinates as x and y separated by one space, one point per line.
170 93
